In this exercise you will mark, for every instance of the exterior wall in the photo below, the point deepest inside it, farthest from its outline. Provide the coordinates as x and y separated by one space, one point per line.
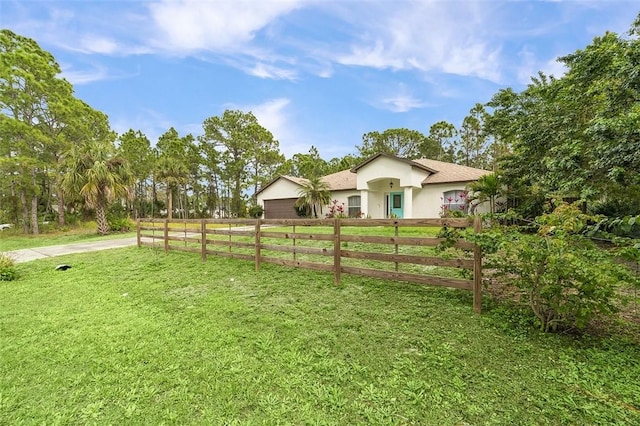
280 189
375 198
384 169
374 179
343 198
428 201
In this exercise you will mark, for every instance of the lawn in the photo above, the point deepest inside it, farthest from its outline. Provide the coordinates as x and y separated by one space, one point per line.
132 336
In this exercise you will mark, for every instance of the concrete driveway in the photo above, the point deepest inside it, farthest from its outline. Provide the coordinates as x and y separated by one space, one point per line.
26 255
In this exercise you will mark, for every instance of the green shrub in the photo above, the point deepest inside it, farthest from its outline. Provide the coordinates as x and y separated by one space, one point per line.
565 278
123 224
7 268
256 211
118 219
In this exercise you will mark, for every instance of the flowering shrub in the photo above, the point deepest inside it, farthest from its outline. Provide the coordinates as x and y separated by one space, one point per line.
336 210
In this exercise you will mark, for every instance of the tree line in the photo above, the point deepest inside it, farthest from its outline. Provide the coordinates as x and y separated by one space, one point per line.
571 137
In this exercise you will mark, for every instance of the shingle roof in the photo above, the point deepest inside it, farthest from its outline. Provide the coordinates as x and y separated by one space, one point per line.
345 179
296 180
448 172
384 154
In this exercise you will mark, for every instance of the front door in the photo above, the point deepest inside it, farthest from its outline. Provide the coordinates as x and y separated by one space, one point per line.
396 204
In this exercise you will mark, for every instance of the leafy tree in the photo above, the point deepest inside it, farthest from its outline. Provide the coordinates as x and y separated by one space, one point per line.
313 195
171 166
577 136
403 143
604 76
473 139
195 177
443 136
33 101
265 157
136 149
246 153
212 170
499 125
309 165
97 172
338 164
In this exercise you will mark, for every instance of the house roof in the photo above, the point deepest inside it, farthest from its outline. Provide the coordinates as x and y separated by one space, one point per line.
345 179
412 163
448 172
296 180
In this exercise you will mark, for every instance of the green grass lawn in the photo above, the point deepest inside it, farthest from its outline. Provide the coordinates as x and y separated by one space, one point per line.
132 336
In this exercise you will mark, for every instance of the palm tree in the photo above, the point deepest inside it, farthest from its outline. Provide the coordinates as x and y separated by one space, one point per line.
95 171
173 172
485 188
314 193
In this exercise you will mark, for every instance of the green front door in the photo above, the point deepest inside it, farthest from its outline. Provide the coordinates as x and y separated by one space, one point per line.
396 204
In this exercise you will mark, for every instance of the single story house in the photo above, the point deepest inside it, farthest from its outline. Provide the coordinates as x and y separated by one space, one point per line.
383 186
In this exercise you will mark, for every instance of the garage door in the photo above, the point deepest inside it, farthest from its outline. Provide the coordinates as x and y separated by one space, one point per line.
280 209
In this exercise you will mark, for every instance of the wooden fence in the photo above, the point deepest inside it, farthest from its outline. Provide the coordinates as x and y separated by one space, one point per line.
394 249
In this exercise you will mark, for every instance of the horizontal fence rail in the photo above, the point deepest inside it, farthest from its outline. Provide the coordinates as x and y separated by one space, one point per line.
392 249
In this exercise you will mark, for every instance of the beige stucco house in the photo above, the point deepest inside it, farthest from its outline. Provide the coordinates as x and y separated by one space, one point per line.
382 186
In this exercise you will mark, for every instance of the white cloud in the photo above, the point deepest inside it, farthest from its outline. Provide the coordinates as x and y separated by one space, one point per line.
78 77
273 116
187 25
93 72
402 103
427 35
376 56
98 44
263 70
399 99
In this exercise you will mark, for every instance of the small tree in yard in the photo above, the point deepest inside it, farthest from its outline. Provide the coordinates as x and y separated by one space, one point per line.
313 195
95 171
565 278
7 268
487 187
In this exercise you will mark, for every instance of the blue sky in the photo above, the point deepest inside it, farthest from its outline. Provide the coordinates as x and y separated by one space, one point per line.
320 72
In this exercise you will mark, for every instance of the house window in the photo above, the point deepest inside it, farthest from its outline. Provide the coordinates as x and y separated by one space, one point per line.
354 206
455 200
397 201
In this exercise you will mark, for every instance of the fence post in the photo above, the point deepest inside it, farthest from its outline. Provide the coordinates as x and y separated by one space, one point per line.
294 242
336 251
166 236
395 234
138 232
203 236
477 269
257 251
